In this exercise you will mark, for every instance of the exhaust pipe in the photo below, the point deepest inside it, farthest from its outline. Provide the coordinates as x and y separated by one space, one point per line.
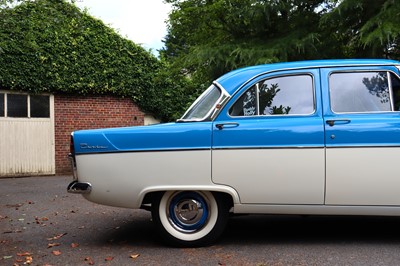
79 188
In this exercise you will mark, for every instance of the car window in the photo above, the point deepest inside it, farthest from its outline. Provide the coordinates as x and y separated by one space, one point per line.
286 95
364 92
203 105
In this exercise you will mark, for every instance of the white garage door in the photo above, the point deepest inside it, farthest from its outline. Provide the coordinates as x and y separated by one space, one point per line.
26 134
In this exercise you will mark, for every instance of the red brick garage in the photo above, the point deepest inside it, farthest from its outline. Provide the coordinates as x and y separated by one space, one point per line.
89 112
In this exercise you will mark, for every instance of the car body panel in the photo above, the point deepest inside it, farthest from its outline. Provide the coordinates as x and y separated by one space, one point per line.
285 164
139 171
361 154
170 136
271 151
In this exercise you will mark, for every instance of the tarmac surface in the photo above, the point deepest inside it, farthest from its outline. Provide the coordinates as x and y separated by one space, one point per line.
41 224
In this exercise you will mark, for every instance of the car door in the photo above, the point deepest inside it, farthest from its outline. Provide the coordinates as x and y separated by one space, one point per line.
362 124
268 141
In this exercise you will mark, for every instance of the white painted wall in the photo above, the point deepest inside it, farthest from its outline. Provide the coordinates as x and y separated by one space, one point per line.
150 120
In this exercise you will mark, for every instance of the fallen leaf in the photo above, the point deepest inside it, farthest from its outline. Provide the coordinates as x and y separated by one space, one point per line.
109 258
56 237
89 260
134 256
24 254
50 245
74 245
44 219
7 257
56 252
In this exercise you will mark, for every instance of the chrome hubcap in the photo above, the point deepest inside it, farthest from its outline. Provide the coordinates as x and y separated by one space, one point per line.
189 211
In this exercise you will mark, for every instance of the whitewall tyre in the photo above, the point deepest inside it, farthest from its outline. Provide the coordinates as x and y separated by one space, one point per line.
190 218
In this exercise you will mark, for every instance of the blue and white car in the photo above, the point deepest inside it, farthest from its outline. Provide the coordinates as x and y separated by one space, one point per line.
311 137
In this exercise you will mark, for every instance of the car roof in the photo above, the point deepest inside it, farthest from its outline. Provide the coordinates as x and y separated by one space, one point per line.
233 80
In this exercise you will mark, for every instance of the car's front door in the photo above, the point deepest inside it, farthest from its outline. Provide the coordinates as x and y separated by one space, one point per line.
268 141
362 122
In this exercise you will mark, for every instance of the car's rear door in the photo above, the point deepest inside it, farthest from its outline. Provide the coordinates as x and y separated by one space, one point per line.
268 141
362 124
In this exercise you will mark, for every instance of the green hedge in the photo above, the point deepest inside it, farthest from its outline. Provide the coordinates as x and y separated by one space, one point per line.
52 46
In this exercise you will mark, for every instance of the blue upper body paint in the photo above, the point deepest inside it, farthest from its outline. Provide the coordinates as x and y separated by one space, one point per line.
380 129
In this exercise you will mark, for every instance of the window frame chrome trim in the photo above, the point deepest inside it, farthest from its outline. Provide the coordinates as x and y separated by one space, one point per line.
388 71
278 115
390 91
214 111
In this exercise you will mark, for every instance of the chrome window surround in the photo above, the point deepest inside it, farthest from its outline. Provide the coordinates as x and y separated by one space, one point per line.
316 66
364 71
277 76
228 96
214 111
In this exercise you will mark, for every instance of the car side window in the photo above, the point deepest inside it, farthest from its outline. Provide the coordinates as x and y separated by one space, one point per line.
357 92
285 95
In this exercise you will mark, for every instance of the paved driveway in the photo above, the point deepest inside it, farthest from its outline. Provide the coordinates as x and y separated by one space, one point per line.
41 224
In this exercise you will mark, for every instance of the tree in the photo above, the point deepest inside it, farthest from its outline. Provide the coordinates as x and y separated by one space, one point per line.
207 38
367 28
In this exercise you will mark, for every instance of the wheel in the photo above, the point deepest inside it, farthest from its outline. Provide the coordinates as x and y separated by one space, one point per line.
190 218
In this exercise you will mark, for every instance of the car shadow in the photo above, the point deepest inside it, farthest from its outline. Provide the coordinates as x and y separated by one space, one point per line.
292 229
272 229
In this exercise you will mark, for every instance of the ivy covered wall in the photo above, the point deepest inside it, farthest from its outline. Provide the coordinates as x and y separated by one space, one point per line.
52 46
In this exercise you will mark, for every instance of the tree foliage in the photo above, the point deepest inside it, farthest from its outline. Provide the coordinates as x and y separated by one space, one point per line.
367 28
207 38
212 37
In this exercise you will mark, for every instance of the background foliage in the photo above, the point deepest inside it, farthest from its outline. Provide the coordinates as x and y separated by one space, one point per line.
50 45
210 37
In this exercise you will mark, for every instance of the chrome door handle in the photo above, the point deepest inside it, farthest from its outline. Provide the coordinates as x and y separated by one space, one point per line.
333 122
226 125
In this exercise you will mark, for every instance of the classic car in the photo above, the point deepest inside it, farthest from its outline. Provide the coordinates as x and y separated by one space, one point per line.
307 138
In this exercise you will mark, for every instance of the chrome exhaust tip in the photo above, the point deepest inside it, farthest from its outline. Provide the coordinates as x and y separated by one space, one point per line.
79 188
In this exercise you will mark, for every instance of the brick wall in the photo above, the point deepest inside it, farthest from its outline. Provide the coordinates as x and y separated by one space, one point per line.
89 112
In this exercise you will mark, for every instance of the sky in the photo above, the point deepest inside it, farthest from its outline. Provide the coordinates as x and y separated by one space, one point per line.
142 21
